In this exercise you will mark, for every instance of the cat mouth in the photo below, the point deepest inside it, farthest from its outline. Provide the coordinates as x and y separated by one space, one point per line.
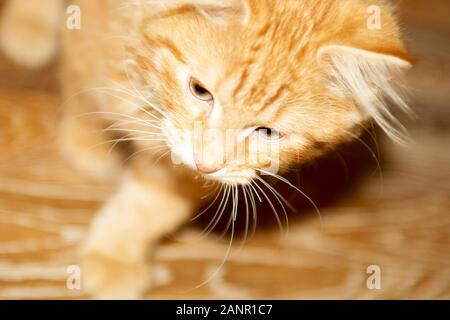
232 177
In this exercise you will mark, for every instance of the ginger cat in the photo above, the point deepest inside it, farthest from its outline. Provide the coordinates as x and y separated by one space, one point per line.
167 80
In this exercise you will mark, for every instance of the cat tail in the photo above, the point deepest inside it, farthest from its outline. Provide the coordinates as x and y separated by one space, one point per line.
29 31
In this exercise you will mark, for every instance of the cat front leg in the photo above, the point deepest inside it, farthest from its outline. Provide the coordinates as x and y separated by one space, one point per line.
123 235
84 142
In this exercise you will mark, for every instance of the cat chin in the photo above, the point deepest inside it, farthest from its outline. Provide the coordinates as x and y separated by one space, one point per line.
233 178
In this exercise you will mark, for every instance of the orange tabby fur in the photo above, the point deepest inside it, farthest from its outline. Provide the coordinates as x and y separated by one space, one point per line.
310 70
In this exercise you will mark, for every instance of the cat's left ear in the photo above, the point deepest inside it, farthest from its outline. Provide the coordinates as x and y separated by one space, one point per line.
370 77
367 63
226 11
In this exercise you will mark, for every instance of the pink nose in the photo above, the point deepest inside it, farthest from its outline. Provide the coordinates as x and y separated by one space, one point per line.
206 168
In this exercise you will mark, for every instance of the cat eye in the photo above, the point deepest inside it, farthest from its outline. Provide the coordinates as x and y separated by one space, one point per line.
199 91
269 133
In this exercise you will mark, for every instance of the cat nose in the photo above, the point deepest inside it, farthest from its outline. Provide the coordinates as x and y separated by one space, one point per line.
205 167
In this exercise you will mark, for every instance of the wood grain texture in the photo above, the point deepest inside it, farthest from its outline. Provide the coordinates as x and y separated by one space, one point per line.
400 223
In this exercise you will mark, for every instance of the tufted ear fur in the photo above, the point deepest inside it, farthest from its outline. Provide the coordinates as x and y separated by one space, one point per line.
371 78
366 62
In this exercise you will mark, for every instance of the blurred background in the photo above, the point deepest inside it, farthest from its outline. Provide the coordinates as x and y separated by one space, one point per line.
397 219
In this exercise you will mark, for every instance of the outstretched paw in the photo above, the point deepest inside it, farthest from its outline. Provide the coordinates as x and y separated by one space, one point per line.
109 278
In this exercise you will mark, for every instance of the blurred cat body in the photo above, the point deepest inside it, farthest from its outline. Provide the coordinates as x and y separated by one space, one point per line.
305 75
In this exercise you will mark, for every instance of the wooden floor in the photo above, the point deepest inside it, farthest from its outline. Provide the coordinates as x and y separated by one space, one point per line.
400 223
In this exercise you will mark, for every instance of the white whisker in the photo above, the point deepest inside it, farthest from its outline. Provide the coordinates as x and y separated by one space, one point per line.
296 188
219 212
255 215
210 205
280 225
144 150
278 196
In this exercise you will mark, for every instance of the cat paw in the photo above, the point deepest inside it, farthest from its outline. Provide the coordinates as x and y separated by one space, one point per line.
29 33
109 278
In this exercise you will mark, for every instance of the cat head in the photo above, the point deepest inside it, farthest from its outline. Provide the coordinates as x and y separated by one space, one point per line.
259 85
